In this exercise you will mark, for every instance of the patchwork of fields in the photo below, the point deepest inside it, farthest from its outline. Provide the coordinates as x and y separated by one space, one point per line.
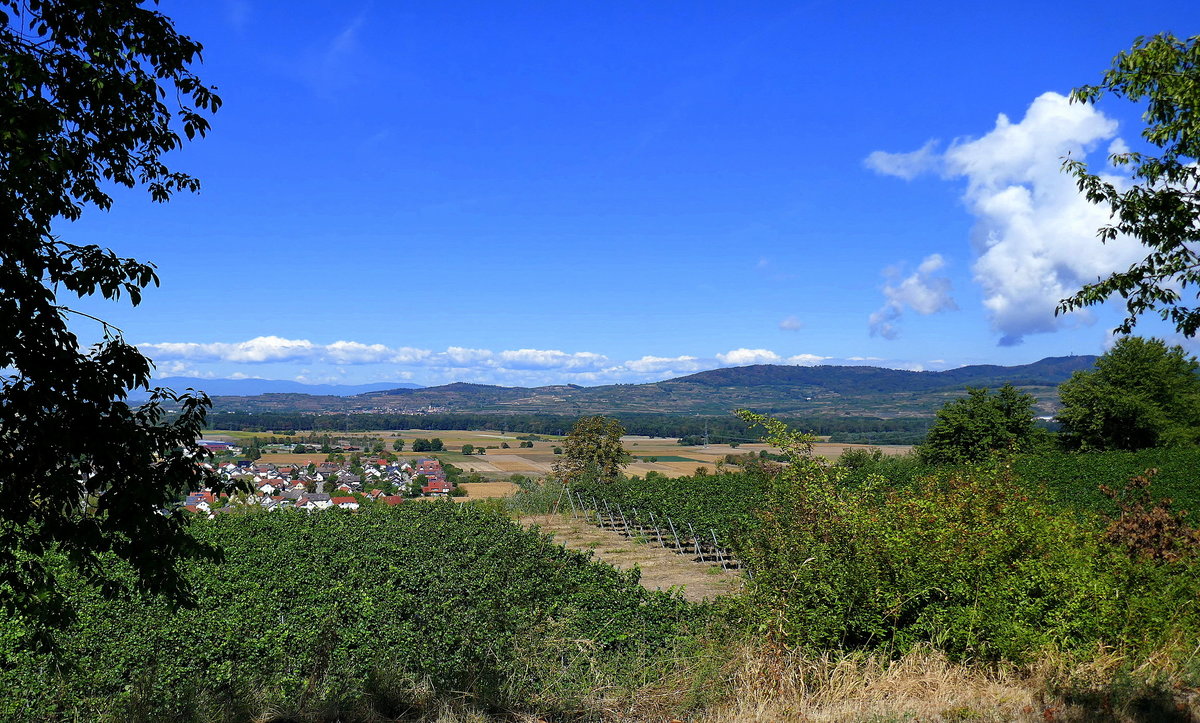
663 455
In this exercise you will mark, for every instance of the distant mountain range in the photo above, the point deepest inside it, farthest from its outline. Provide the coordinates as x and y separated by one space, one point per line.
768 388
252 387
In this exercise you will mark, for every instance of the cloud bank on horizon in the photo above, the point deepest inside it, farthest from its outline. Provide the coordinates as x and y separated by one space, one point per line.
328 362
1034 241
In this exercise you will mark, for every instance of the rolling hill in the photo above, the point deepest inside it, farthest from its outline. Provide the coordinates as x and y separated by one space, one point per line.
774 389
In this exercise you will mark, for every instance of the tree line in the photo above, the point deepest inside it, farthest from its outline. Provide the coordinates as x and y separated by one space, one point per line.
720 429
1140 394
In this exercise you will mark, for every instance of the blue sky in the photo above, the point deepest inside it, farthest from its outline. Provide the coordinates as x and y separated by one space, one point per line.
527 193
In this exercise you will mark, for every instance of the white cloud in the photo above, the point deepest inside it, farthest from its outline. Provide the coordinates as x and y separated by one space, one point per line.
274 349
271 349
258 349
742 357
178 369
352 352
276 357
921 291
905 165
806 359
1035 234
550 359
463 356
658 364
410 355
792 323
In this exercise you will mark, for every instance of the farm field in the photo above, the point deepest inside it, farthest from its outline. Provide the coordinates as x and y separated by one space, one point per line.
673 460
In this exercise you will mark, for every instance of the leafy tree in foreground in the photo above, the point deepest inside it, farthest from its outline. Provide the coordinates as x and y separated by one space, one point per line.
592 451
1161 209
979 425
1141 394
84 91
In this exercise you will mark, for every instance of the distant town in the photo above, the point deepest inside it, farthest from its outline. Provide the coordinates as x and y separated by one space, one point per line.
316 486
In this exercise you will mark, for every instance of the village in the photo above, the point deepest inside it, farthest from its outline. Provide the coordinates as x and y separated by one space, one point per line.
317 486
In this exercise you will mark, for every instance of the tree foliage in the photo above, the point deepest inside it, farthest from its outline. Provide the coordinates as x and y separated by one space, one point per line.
1161 208
592 451
1141 394
84 93
975 427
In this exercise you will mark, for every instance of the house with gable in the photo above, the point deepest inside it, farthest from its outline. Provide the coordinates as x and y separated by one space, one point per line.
314 501
437 488
346 503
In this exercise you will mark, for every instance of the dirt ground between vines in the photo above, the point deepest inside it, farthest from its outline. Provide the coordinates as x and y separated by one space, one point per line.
662 569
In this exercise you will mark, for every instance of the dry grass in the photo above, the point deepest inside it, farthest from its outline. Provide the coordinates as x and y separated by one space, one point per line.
752 682
921 685
483 490
756 685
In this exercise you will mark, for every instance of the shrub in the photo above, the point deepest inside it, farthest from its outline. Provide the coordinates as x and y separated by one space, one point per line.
967 560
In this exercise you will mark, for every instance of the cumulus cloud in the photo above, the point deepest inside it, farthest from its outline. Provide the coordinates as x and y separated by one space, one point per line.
463 356
526 367
550 359
791 323
742 357
273 349
806 359
922 292
905 165
658 364
1035 235
178 369
352 352
259 349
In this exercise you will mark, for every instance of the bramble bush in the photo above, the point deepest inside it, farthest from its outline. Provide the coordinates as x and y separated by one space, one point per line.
966 559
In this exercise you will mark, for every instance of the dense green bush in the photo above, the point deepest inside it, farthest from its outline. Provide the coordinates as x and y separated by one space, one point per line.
899 470
342 610
969 560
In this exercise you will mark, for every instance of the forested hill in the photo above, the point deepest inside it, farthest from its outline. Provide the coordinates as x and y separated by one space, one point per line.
856 380
786 390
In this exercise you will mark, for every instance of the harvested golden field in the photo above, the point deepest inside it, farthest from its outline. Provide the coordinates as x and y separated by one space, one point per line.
669 457
485 490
